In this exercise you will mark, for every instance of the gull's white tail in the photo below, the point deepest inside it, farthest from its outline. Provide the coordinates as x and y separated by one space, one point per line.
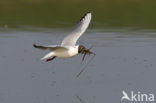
47 56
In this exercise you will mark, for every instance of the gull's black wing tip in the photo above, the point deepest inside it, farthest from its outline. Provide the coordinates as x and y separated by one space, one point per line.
34 45
84 15
88 12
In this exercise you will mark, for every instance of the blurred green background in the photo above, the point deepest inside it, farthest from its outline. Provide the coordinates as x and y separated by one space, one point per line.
64 13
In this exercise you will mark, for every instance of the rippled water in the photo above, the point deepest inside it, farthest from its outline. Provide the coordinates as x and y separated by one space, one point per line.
125 60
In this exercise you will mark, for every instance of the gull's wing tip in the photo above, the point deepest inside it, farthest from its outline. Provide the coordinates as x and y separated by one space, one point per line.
86 14
34 45
89 14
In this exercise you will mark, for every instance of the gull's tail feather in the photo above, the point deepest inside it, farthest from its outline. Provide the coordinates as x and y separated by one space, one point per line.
47 56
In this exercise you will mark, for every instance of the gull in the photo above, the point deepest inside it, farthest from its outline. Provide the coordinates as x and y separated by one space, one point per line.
68 47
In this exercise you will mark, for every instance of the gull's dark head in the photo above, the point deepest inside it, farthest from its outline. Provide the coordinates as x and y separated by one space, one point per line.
81 49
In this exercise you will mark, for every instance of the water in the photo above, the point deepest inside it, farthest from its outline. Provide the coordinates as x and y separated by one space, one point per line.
125 60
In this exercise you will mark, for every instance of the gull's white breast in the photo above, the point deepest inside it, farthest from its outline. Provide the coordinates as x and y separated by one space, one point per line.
66 53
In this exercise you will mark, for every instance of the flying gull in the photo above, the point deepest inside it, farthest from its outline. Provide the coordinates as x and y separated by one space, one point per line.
68 47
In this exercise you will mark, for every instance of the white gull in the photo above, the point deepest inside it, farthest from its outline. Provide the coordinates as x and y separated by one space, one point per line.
68 47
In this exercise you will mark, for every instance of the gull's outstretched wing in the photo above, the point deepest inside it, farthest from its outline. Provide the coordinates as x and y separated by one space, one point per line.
78 30
49 47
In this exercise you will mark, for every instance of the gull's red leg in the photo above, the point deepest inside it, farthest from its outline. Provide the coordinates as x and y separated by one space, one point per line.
50 59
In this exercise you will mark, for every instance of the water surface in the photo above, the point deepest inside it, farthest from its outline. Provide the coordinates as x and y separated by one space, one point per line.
125 60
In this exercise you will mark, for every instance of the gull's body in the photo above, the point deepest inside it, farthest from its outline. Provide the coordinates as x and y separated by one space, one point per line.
62 52
68 47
